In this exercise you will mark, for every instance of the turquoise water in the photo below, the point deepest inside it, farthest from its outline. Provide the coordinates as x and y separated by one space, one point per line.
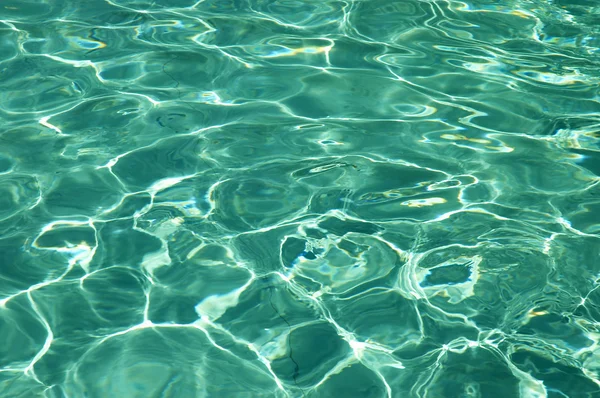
300 198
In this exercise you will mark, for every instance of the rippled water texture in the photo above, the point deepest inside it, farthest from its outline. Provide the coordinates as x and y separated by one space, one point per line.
252 198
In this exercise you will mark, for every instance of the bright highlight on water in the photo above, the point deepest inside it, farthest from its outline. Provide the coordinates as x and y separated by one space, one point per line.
300 198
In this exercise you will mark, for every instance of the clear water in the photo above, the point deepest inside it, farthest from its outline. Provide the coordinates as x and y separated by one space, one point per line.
300 198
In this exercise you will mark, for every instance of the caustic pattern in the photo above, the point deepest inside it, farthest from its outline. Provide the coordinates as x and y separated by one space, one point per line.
252 198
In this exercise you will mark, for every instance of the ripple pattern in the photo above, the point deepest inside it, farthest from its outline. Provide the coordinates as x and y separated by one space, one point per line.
285 198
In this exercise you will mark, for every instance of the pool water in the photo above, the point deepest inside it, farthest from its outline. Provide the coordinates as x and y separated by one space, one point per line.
300 198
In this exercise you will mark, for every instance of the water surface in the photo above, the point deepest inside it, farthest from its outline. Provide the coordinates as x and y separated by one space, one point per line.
299 198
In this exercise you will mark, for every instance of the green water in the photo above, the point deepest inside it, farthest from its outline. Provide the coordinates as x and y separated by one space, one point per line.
252 198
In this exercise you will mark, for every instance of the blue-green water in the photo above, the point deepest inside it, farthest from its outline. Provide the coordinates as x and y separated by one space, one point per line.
252 198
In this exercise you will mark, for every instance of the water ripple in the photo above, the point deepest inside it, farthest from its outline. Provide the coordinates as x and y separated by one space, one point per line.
299 199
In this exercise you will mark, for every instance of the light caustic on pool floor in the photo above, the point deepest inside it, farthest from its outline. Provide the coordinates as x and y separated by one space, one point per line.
357 199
